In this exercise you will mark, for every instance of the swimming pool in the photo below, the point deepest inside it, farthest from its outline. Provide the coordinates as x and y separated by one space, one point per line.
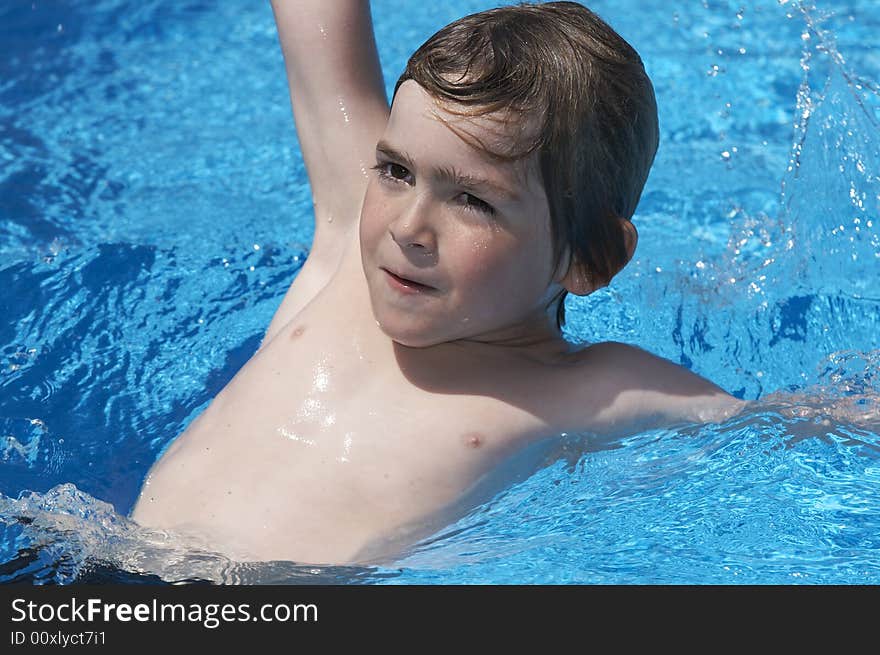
154 209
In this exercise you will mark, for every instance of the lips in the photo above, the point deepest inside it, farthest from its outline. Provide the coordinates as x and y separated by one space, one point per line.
408 281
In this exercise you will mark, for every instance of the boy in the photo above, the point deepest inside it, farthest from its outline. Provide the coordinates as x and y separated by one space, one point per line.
419 349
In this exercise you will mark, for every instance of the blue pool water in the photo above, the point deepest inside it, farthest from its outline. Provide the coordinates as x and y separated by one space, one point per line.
154 209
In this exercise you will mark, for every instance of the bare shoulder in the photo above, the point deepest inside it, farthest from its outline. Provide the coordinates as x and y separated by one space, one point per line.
615 387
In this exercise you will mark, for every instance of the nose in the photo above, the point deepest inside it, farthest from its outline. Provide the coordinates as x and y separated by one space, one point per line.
413 231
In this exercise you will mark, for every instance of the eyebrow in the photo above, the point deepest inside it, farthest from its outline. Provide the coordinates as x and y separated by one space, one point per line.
449 174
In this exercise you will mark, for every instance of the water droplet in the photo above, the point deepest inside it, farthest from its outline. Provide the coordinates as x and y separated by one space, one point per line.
344 111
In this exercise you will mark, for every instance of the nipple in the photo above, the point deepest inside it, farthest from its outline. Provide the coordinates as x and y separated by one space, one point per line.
473 439
298 331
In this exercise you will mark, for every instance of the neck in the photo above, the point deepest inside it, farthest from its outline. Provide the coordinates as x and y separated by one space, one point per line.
536 336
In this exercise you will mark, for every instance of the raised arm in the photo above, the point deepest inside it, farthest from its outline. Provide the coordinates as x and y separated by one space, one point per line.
340 111
338 99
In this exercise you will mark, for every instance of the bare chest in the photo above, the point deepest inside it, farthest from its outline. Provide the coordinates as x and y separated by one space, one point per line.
322 436
330 387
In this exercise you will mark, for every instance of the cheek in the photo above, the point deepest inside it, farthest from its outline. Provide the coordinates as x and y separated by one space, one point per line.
488 262
371 224
481 255
503 270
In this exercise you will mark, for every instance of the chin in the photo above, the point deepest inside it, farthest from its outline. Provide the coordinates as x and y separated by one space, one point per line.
408 333
409 337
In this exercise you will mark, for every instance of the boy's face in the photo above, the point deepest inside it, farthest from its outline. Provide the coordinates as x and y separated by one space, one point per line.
484 250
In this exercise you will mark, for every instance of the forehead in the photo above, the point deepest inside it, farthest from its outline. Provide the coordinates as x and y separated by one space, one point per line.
425 127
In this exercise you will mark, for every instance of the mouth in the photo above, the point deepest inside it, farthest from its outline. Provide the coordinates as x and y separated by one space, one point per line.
405 284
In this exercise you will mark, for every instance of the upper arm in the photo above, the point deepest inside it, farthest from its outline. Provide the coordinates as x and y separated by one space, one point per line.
632 390
338 100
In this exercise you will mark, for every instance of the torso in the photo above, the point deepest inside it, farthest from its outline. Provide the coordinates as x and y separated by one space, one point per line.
333 444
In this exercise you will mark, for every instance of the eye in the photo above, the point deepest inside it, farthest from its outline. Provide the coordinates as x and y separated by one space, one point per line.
472 203
391 172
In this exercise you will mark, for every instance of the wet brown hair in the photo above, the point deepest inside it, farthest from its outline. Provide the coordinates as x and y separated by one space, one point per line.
598 130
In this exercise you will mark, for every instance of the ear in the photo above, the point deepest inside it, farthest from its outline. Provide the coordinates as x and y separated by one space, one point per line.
579 281
631 240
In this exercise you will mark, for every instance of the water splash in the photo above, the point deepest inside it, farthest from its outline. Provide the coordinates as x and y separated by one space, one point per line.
797 280
831 191
65 535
